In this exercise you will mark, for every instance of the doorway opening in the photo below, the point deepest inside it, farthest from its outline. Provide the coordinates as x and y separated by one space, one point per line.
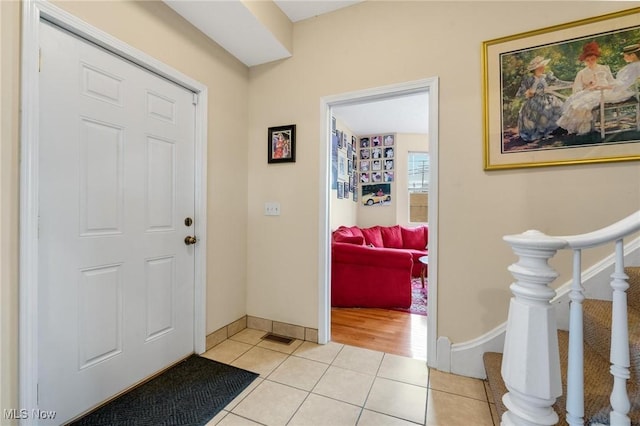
357 101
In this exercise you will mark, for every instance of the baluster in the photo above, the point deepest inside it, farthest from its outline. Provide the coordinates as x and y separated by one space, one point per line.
619 342
531 361
575 369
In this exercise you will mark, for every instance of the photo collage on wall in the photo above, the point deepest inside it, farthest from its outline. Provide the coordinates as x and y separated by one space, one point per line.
345 158
376 168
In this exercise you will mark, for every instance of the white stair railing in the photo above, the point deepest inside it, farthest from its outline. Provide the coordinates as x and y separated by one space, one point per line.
531 360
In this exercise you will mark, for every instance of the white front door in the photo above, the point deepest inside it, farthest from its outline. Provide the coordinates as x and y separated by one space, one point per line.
116 279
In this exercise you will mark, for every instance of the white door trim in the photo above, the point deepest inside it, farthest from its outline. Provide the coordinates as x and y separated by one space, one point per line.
324 258
33 12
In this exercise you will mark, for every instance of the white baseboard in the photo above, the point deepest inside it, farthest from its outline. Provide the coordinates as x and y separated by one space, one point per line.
465 358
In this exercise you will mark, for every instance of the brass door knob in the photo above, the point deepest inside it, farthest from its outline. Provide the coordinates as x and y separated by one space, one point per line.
188 240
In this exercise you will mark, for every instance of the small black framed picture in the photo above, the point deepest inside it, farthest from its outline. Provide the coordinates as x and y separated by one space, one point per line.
281 144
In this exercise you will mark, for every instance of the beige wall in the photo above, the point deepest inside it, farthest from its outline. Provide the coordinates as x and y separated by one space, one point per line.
377 43
159 32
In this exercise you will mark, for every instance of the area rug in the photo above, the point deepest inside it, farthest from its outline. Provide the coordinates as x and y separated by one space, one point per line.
189 393
418 298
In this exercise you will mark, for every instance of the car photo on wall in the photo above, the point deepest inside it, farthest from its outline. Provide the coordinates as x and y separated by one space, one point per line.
376 195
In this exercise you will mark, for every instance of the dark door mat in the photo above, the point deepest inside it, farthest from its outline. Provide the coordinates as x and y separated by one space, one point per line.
190 393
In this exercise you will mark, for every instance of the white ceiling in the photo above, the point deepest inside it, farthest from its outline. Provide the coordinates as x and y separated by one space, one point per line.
232 25
298 10
405 114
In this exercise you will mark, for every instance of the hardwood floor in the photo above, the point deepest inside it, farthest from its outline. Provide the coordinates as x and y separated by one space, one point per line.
382 330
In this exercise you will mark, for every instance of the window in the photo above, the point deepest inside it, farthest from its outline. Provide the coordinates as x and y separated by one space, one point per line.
418 186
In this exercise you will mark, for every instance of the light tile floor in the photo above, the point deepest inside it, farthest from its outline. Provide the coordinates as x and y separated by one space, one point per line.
307 384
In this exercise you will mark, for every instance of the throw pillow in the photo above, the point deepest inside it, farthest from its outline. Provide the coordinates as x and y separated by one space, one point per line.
341 232
355 239
392 236
373 236
415 238
356 231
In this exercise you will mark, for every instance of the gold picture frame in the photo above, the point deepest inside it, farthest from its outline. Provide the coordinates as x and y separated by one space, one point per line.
516 135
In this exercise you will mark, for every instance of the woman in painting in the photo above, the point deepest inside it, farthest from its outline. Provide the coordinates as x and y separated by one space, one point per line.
540 110
278 146
622 89
282 146
577 112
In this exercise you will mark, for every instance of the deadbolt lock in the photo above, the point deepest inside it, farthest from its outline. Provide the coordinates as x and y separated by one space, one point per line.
188 221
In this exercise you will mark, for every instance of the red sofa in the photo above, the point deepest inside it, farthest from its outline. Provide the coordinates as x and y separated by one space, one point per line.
372 267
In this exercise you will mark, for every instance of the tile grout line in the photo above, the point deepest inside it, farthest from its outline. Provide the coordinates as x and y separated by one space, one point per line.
333 359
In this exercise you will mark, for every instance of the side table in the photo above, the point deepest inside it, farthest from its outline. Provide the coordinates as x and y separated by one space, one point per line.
423 272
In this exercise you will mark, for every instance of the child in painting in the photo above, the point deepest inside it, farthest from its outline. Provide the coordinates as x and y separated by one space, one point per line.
541 110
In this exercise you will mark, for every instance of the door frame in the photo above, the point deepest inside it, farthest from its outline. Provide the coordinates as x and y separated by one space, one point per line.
429 85
33 12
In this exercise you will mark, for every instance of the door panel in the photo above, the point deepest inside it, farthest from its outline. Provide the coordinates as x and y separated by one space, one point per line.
116 280
101 178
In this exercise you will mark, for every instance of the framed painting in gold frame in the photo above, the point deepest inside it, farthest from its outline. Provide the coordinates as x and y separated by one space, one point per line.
534 113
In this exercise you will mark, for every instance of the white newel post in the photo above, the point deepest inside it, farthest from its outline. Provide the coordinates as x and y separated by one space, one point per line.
531 361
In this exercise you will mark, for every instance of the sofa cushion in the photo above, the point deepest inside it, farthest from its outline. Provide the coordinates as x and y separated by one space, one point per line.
341 232
352 239
392 236
415 238
356 231
373 236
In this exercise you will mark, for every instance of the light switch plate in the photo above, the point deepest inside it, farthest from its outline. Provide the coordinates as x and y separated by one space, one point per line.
272 209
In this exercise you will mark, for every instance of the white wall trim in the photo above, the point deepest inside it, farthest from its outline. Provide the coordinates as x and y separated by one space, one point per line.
324 256
466 358
33 12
